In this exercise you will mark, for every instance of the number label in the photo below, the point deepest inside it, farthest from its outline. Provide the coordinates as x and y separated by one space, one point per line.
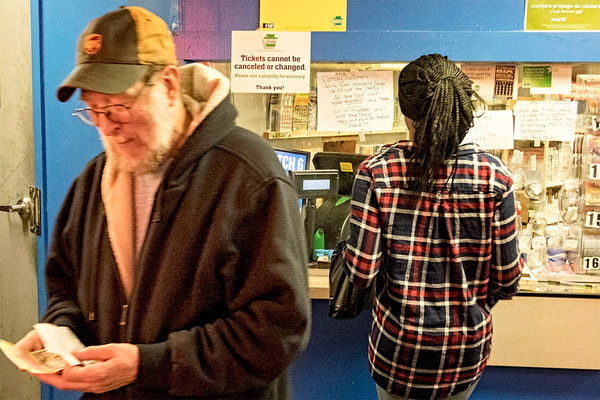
591 263
592 219
594 171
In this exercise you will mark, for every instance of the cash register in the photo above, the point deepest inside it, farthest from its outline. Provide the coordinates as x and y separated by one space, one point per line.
331 184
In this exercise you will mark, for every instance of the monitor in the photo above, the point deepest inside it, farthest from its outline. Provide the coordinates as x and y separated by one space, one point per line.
293 160
315 184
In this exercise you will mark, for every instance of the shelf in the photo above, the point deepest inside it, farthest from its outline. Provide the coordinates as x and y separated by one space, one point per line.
315 134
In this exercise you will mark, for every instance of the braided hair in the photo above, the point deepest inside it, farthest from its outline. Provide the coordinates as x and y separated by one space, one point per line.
438 97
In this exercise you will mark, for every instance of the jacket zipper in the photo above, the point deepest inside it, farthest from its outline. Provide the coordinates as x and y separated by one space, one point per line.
124 311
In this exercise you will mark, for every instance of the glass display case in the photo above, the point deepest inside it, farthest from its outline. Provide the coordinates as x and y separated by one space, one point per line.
553 153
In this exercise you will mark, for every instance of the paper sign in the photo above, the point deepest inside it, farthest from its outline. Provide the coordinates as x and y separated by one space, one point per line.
504 82
560 81
587 89
303 15
492 81
545 120
355 101
537 76
482 76
562 15
492 131
274 62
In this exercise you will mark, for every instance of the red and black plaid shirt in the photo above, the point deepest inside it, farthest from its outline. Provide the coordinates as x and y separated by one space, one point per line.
441 261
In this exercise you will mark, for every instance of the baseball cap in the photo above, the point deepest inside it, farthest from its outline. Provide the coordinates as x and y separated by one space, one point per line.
116 50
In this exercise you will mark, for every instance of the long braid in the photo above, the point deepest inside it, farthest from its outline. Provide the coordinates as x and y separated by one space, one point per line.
437 96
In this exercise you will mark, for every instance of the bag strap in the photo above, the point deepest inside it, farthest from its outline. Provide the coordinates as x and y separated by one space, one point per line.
345 230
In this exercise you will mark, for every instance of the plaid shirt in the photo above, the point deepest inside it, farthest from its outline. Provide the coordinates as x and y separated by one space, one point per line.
441 261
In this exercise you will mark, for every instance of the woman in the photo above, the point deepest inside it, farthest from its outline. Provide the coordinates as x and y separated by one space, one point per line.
433 223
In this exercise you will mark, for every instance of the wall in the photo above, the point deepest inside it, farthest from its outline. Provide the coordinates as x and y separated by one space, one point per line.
394 30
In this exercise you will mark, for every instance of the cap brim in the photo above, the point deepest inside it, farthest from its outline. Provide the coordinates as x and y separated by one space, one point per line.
101 78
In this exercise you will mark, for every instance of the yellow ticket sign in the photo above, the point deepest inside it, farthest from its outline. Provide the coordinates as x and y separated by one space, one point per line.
562 15
303 15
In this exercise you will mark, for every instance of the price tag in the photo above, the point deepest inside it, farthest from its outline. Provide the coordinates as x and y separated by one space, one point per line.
592 219
594 171
591 263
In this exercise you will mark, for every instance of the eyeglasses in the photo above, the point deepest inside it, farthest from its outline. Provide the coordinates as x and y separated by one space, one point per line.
117 113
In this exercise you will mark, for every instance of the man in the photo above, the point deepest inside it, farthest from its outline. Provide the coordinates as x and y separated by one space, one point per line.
177 255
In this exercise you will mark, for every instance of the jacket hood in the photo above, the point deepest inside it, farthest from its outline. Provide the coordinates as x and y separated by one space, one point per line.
205 93
202 89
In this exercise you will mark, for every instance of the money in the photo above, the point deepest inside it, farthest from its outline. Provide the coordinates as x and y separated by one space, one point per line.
37 362
59 343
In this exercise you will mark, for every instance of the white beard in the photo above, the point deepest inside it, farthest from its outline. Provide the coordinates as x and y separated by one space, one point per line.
160 138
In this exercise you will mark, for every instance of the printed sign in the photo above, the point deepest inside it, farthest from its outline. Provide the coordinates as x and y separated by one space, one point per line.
591 263
355 101
545 120
548 79
592 219
274 62
537 76
562 15
504 82
594 171
492 81
482 76
303 15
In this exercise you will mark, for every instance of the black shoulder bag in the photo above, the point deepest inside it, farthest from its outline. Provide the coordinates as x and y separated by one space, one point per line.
346 300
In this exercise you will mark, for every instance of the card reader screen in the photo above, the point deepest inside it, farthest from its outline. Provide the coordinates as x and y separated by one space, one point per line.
316 184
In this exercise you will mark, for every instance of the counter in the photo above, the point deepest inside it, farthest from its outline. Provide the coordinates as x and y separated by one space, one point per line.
546 324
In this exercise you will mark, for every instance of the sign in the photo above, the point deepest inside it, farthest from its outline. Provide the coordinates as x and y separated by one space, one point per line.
492 131
355 101
504 82
273 62
482 75
591 263
303 15
548 79
562 15
586 91
592 219
537 76
492 81
545 120
594 171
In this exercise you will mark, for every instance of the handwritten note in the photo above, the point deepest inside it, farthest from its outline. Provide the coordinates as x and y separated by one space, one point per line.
492 131
355 101
545 120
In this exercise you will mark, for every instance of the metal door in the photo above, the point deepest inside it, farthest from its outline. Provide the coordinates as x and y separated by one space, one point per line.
18 253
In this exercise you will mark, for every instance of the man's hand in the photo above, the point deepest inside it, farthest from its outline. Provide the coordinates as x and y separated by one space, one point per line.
30 342
115 365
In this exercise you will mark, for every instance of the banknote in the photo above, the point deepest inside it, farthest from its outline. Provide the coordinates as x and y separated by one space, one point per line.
59 344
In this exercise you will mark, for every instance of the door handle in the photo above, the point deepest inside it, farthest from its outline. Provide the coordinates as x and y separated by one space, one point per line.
21 207
28 208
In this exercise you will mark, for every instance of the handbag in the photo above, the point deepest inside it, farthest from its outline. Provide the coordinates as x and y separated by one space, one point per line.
346 301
